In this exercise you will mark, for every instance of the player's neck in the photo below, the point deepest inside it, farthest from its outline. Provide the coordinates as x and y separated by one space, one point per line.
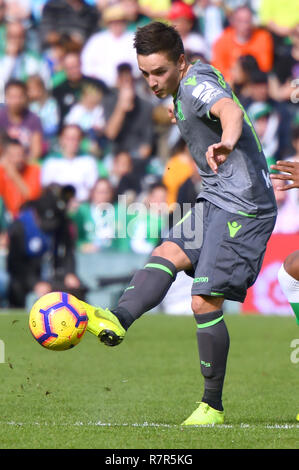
182 75
186 70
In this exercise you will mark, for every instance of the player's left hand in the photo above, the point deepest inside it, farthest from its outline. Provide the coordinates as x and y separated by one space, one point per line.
291 170
217 154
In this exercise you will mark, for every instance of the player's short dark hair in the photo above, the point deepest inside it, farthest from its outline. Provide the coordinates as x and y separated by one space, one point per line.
159 37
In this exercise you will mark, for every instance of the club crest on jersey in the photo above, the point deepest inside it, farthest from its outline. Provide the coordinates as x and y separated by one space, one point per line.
206 92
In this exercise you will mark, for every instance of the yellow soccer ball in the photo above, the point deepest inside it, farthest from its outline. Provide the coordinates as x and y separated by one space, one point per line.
58 321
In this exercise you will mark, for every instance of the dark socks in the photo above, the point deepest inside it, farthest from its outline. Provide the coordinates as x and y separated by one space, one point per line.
146 290
213 346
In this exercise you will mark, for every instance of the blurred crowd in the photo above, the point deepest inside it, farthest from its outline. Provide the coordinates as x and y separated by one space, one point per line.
82 139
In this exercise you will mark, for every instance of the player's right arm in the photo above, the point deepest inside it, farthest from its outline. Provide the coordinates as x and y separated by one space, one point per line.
231 118
290 173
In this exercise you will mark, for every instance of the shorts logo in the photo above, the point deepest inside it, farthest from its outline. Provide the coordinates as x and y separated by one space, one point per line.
233 228
206 92
201 279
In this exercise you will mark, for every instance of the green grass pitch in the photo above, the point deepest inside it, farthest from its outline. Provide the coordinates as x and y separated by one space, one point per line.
135 396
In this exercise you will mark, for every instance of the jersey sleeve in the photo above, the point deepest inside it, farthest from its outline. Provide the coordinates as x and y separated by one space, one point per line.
207 92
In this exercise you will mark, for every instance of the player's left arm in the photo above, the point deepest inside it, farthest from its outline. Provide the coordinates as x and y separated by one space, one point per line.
290 172
231 118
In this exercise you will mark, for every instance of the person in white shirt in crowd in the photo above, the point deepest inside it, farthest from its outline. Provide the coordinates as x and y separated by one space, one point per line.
105 50
69 167
88 113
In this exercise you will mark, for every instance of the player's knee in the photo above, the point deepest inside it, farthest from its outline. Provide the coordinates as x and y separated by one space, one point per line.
172 252
205 304
291 265
197 304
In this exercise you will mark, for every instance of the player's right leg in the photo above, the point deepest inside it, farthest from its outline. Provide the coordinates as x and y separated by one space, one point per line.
288 277
146 290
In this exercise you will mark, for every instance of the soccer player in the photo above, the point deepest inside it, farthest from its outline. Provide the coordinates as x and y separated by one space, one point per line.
222 240
288 275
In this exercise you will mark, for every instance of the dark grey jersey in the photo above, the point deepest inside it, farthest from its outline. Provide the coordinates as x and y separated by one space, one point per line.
242 184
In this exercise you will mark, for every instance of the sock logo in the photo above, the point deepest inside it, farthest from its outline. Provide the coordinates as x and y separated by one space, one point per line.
233 228
205 364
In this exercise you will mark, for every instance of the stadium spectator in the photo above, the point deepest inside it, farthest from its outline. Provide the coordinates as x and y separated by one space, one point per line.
210 19
18 62
177 170
44 106
88 113
18 10
134 16
260 93
279 18
95 219
3 23
3 250
105 50
124 177
43 231
266 121
69 91
242 38
182 18
241 77
285 74
73 17
54 53
155 9
19 122
145 230
19 180
68 166
128 117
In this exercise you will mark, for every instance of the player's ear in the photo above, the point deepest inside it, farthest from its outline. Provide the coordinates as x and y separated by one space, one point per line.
182 62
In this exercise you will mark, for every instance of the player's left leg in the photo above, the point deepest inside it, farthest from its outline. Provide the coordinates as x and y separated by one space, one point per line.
288 277
213 347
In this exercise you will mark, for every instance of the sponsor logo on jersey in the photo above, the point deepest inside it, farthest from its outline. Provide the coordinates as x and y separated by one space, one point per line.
206 92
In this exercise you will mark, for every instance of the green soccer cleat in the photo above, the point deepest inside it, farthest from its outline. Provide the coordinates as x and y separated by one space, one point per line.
204 414
104 324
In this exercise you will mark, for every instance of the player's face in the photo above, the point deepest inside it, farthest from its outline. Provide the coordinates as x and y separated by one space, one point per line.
162 75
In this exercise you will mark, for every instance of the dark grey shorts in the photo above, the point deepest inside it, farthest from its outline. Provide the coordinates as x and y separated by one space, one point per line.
226 250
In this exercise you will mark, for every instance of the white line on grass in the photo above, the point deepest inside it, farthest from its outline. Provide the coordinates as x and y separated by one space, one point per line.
154 425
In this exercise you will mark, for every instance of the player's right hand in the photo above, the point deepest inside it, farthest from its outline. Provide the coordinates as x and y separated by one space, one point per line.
217 154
